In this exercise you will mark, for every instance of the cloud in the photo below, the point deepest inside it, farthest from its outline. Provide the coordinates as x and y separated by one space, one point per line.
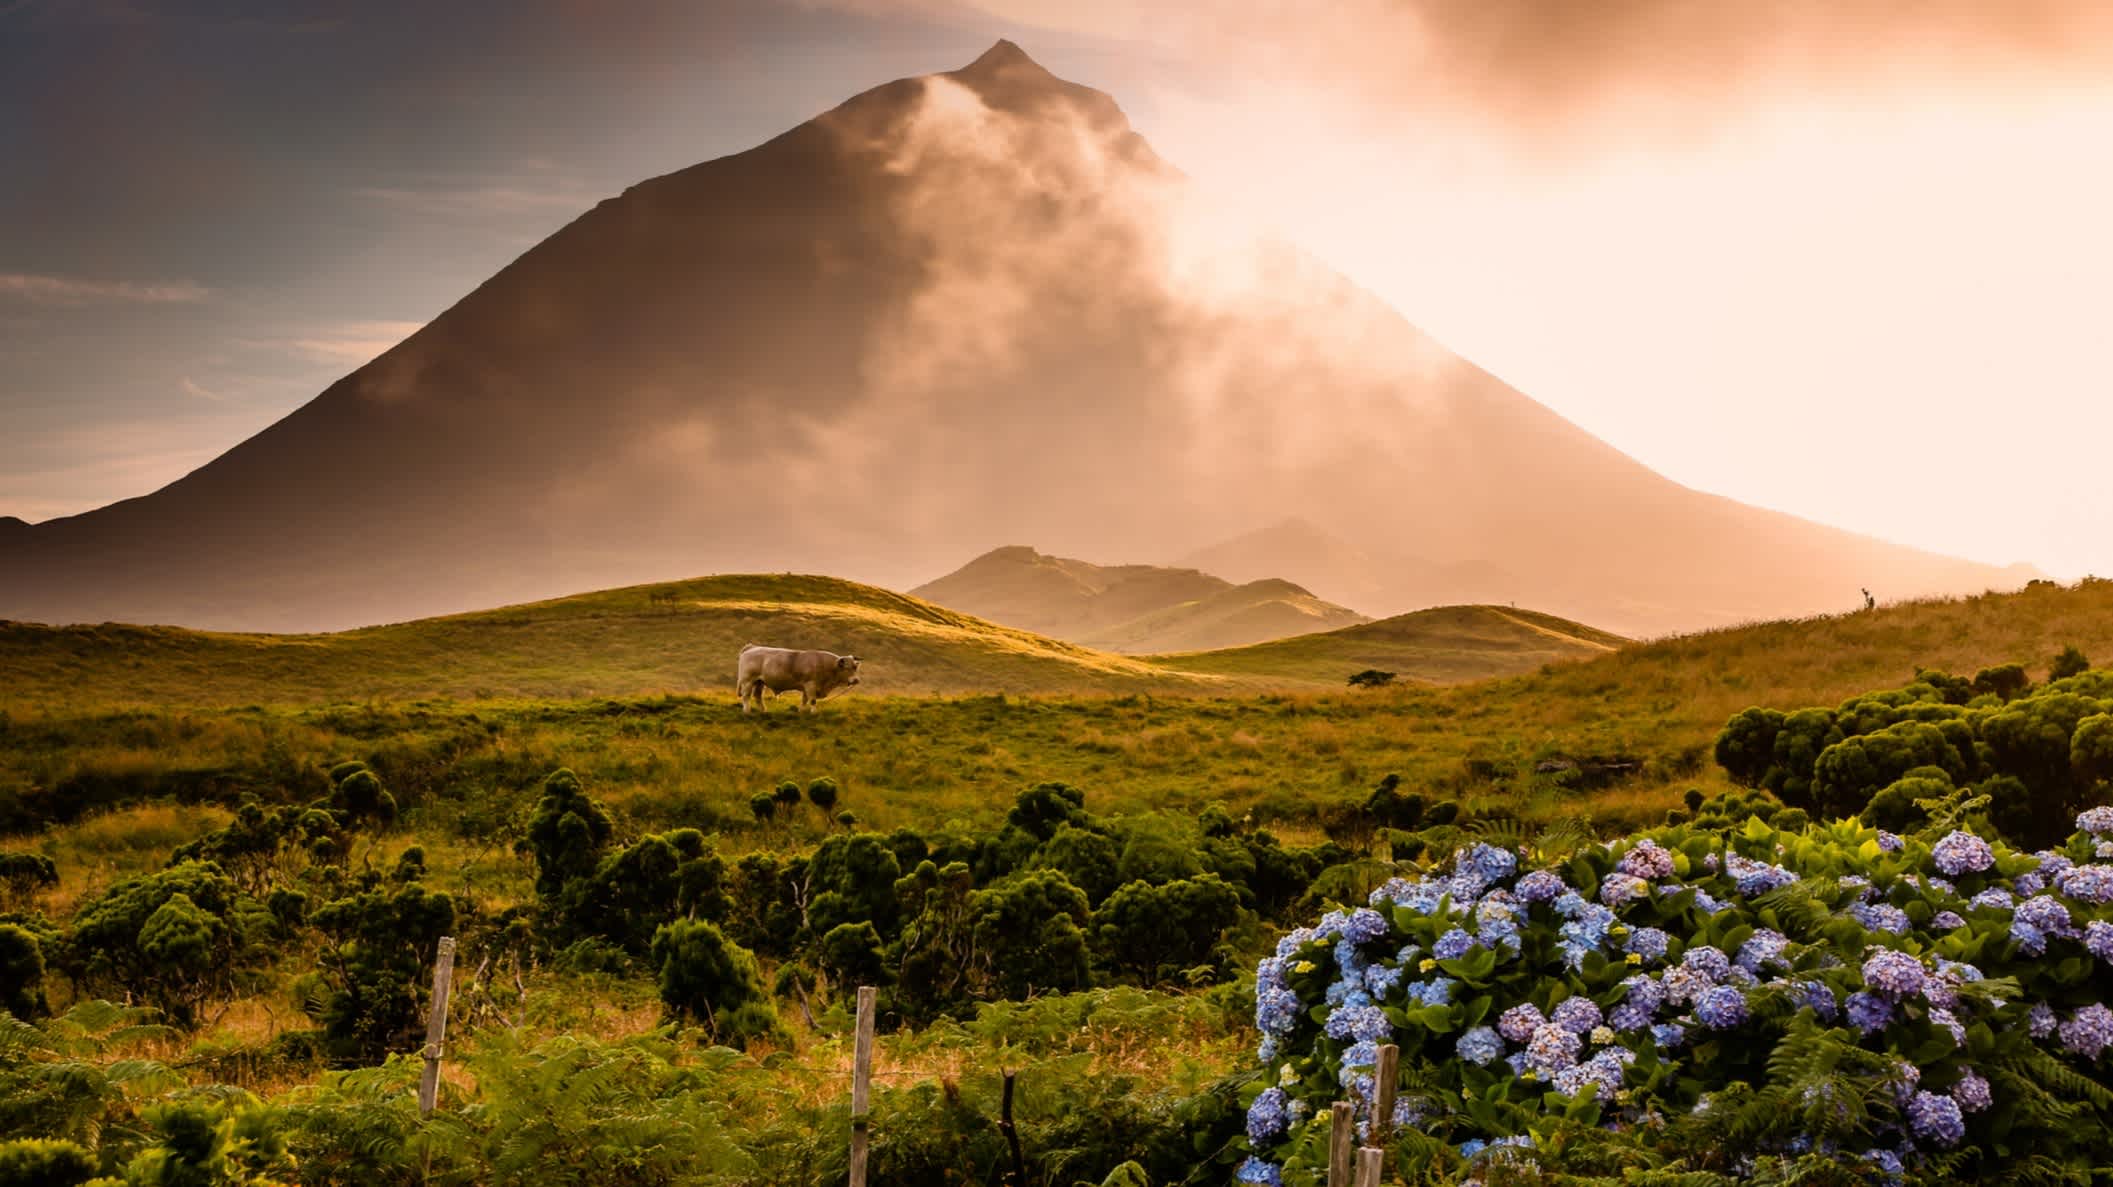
69 291
197 392
479 201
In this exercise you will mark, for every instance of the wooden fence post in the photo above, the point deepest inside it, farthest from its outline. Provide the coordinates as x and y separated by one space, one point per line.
1368 1160
861 1076
1342 1136
1017 1176
437 1026
1385 1078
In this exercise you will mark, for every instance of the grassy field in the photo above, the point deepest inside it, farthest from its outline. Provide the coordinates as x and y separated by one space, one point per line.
923 761
682 638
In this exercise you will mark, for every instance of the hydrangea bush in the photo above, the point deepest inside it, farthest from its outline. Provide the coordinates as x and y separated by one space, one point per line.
1896 1005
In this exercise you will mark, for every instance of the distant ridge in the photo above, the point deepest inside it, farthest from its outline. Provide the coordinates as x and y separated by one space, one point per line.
1443 645
1134 609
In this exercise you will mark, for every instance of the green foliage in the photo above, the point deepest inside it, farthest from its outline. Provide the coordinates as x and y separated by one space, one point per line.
1747 746
263 847
1154 931
378 966
632 891
23 875
852 880
763 806
36 1162
851 954
21 972
709 979
2070 662
1042 809
1371 678
1028 935
2003 681
172 937
1157 848
822 793
567 833
787 794
361 800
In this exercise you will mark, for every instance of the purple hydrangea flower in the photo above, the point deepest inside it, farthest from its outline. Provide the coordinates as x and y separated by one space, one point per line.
2098 939
1364 925
1889 842
1947 921
1710 962
2029 939
1552 1049
1993 897
1481 1046
1488 862
1972 1093
1646 859
1868 1011
1756 877
1518 1023
2090 884
1628 1016
1895 974
1816 996
2089 1031
1452 945
2095 820
2047 914
1357 1022
1721 1008
2040 1021
1887 1161
1962 853
1683 985
1266 1118
2027 885
1761 949
1540 886
1945 1019
1936 1119
1669 1036
1277 1010
1620 889
1576 1015
1880 917
1905 1079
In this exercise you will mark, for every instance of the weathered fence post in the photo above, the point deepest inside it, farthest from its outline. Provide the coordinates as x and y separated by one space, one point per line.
1368 1160
437 1026
1384 1078
861 1075
1017 1176
1342 1136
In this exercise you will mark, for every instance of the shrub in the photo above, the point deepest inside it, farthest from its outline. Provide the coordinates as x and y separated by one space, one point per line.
567 833
852 880
126 942
35 1162
708 979
1042 809
1088 860
851 955
822 793
378 967
1711 999
1028 935
762 806
2070 662
21 975
1371 678
1152 931
23 876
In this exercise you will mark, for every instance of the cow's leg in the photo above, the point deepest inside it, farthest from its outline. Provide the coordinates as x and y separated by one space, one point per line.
807 697
741 693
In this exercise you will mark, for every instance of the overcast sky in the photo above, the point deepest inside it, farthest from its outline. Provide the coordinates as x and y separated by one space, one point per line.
1844 258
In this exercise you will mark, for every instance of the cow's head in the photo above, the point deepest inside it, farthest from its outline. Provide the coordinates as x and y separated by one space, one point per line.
847 670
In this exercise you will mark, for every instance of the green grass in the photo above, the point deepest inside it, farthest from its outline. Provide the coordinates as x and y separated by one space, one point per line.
682 637
1445 645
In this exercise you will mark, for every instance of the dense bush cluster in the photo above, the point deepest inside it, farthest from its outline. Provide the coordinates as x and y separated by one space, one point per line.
2038 753
1935 1005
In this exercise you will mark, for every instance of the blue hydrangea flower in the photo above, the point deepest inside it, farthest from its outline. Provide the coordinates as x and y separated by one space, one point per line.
1256 1170
1380 979
1762 949
2029 939
2095 821
2027 885
1452 945
2089 1031
1364 925
1946 1020
1993 897
1644 991
1707 903
1756 877
1277 1010
1868 1011
1880 917
1962 853
1576 1015
1294 940
1647 859
1721 1008
1935 1118
1710 962
1357 1022
1947 921
1421 895
1438 991
1266 1118
1889 842
1895 974
1668 1035
1518 1023
1683 984
1488 862
1540 886
1819 998
2040 1021
1481 1046
1649 942
1628 1016
1972 1093
1887 1161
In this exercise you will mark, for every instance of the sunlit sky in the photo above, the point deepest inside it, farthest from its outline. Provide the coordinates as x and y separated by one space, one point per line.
1821 257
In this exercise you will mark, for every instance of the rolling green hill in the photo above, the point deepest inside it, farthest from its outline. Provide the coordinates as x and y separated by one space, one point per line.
1132 609
1443 645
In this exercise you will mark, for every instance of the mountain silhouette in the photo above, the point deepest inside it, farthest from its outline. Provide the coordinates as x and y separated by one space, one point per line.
953 311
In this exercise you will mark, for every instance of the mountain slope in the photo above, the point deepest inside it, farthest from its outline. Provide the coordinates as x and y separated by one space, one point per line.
1135 609
958 308
1446 645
